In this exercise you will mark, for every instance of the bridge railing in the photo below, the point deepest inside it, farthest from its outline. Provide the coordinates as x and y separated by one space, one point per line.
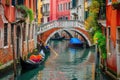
60 23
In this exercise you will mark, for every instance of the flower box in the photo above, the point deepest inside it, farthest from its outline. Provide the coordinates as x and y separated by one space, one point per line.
116 5
7 2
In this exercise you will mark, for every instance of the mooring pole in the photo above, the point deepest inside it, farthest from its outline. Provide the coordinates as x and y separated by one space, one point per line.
14 60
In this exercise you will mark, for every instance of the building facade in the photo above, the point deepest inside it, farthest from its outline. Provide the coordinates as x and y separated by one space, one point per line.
77 10
59 10
16 31
46 11
113 37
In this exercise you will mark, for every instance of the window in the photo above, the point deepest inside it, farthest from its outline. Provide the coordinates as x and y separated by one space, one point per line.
32 30
0 34
109 1
74 3
24 32
12 32
48 19
69 5
13 2
29 32
42 20
118 40
45 8
60 7
5 34
20 2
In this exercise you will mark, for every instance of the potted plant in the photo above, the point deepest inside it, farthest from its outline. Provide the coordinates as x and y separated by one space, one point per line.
7 2
116 5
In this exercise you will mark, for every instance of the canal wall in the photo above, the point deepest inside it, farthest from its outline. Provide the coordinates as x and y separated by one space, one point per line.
5 55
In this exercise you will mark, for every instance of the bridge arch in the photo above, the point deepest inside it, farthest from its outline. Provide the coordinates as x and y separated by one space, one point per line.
78 31
49 29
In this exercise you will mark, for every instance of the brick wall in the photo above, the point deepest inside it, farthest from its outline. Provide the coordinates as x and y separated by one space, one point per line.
6 55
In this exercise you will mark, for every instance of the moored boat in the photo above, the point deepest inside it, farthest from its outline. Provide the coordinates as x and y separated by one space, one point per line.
75 42
30 64
58 38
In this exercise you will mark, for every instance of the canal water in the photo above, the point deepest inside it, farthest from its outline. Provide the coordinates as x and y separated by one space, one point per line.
64 63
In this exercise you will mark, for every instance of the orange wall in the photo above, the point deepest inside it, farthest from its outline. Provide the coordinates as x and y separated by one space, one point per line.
26 2
113 21
118 17
9 11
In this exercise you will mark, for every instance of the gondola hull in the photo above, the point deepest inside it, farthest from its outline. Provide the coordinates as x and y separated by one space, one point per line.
75 45
29 65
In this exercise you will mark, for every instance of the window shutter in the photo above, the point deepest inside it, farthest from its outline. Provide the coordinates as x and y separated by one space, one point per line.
73 3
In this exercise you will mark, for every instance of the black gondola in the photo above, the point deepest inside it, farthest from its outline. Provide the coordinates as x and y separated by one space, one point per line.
28 64
58 38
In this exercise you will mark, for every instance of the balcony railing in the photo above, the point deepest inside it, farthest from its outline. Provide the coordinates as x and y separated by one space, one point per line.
46 13
19 15
60 24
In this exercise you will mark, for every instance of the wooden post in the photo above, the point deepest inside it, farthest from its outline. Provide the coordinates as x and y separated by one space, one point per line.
14 60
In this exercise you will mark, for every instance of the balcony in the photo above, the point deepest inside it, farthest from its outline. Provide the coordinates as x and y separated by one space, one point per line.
46 13
74 11
116 5
103 22
19 15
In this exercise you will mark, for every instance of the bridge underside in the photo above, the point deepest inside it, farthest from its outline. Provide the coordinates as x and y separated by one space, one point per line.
48 34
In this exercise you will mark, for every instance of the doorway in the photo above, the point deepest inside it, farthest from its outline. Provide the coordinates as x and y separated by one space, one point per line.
18 42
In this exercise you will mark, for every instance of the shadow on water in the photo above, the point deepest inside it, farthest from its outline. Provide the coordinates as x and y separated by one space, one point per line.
27 75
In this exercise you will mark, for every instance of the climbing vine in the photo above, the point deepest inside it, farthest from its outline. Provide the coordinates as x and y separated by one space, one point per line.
94 28
26 12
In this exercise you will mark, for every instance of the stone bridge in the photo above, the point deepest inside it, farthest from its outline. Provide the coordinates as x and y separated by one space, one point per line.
46 31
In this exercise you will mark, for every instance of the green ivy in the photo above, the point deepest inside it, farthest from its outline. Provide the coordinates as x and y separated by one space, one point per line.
27 12
31 16
1 64
100 39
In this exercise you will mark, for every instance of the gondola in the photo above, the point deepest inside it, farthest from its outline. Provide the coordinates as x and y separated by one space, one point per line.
46 49
75 43
29 64
58 38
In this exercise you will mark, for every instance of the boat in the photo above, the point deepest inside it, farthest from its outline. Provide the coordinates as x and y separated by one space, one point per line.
29 64
46 49
58 38
75 42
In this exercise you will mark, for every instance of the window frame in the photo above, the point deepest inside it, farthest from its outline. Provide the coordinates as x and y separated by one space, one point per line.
109 2
6 40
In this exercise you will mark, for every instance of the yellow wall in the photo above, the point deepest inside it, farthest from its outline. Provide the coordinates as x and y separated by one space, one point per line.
39 11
